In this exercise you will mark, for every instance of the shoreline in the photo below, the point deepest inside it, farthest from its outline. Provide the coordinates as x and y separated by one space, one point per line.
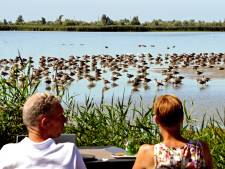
188 72
109 28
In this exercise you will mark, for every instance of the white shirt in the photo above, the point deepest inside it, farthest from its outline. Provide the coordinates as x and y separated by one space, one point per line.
47 154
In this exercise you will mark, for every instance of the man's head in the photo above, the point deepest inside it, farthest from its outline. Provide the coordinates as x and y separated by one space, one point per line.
168 110
44 112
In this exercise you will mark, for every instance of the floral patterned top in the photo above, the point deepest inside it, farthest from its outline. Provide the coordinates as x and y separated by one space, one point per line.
189 156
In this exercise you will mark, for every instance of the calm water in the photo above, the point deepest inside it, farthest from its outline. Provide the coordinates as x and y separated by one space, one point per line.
64 44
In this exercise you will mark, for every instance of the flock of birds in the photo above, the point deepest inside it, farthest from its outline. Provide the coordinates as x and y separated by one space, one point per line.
107 69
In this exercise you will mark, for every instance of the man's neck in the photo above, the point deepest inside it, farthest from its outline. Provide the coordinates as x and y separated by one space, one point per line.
35 135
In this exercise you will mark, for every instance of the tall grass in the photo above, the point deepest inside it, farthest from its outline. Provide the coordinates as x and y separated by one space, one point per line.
108 124
13 93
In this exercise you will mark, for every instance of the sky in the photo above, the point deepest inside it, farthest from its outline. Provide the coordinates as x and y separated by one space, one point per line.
92 10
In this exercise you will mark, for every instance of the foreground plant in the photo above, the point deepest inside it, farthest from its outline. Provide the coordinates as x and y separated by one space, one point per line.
94 123
14 91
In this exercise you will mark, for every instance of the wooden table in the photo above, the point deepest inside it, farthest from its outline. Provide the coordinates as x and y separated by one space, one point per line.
104 158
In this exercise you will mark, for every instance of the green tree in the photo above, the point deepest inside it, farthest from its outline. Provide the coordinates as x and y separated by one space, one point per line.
177 23
69 22
192 22
105 20
155 22
19 19
59 20
135 21
5 22
185 23
201 23
43 21
124 21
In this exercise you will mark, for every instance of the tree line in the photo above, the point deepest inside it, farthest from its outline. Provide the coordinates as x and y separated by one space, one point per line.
105 23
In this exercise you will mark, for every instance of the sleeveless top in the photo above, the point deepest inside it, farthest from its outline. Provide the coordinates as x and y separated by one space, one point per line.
189 156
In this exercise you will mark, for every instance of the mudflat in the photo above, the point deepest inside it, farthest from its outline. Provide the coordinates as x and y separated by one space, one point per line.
216 72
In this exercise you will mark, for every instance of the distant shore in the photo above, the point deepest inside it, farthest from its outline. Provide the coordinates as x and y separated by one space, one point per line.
108 28
106 24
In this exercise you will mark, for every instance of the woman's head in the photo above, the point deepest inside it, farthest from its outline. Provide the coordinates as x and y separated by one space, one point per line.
168 110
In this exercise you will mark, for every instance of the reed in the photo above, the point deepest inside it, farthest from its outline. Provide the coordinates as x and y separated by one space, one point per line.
110 124
13 93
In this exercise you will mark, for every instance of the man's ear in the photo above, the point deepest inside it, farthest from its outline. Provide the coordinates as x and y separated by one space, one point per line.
44 122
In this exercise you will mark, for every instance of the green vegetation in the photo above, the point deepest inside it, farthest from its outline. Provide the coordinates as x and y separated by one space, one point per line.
118 121
107 24
99 124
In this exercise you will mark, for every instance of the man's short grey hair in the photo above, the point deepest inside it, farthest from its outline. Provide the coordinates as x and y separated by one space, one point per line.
37 104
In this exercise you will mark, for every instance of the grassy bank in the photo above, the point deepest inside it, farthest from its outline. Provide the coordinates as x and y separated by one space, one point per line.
108 28
99 124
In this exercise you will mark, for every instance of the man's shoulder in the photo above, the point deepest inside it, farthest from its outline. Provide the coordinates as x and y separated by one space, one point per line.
9 146
64 149
67 146
10 149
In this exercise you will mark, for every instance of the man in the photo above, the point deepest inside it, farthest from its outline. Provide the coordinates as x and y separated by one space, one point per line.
44 119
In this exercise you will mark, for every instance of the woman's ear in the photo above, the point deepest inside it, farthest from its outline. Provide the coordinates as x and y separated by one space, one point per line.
156 119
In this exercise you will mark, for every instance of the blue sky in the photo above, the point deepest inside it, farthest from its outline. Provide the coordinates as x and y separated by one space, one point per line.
92 10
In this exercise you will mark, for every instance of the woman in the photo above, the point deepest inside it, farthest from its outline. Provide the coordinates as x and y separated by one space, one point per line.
174 152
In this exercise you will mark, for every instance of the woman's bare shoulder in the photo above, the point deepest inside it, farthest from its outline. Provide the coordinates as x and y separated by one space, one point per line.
146 148
144 158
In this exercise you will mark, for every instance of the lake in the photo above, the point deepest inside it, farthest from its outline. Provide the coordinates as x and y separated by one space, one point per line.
65 44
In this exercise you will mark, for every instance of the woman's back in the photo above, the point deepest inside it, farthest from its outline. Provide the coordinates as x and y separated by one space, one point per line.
175 152
190 156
